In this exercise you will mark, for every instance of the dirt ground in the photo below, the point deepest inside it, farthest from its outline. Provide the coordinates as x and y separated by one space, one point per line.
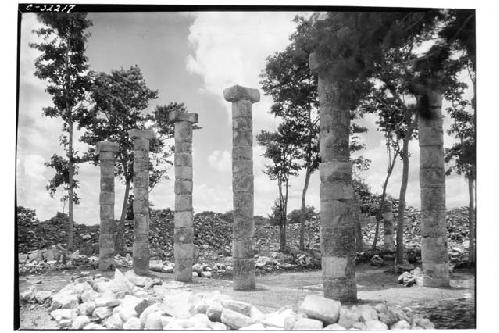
446 307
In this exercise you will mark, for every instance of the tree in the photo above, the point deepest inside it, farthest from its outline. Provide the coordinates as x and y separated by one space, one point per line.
283 156
64 65
119 103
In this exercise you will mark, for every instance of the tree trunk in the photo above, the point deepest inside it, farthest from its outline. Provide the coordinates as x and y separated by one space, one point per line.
357 220
337 227
382 199
70 190
402 203
303 217
432 192
120 241
472 223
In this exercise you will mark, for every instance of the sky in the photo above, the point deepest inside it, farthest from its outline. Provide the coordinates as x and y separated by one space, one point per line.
189 58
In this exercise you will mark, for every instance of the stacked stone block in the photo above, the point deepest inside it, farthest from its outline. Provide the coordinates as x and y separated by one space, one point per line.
243 191
106 151
141 210
183 188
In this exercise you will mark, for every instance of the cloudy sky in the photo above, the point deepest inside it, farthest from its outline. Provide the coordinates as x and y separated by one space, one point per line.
190 58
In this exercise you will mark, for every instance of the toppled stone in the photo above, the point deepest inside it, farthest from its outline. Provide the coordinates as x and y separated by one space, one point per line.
132 306
237 306
80 322
348 317
107 300
235 320
321 308
89 295
218 327
367 312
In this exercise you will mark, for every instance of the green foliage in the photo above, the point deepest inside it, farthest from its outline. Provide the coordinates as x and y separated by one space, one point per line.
63 65
120 100
295 216
26 216
63 62
61 177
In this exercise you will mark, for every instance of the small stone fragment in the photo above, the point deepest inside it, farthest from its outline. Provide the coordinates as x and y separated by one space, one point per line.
235 320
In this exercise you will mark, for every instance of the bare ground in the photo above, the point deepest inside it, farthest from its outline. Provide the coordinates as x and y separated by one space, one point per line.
446 307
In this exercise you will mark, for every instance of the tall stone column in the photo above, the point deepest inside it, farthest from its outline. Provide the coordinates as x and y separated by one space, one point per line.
243 224
388 226
336 192
106 151
432 191
141 210
183 188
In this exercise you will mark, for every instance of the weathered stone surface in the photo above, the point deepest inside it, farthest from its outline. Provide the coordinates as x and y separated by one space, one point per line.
321 308
235 320
375 325
153 322
141 218
237 93
64 300
214 311
177 116
80 322
60 314
42 296
335 327
237 306
432 191
280 319
114 322
103 312
133 323
86 308
303 324
401 325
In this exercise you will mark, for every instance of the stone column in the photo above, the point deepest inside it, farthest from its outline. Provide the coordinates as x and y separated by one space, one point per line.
106 151
183 188
388 226
336 192
243 225
432 192
141 210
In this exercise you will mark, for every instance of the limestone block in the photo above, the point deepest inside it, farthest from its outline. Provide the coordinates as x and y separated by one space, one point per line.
183 219
321 308
235 320
237 306
183 116
303 324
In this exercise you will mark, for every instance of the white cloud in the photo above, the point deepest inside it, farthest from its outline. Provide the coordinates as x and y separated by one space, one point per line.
220 160
231 48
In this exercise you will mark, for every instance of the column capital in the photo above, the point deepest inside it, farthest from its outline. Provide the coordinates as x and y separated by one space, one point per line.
176 116
143 134
237 93
107 146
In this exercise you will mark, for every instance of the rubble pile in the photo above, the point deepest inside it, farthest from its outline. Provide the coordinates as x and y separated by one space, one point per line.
133 302
41 244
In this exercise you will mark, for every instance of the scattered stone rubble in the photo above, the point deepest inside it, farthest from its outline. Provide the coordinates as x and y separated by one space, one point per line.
129 301
213 243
